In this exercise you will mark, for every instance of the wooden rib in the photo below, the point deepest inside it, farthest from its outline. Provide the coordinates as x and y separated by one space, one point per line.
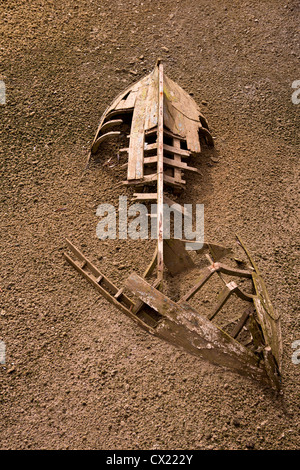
186 327
119 293
224 295
177 160
111 111
148 271
233 271
148 179
136 144
112 123
102 138
176 163
167 148
166 133
172 182
239 326
205 275
176 151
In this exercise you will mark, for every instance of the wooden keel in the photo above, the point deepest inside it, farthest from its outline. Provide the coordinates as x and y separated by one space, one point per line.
160 173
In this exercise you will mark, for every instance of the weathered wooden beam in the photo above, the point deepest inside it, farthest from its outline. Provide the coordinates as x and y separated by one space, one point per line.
184 326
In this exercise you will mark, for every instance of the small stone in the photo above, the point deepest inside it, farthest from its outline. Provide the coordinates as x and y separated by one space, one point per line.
205 103
236 422
11 369
165 49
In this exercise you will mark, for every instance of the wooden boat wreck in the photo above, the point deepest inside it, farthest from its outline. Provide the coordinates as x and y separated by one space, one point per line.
166 127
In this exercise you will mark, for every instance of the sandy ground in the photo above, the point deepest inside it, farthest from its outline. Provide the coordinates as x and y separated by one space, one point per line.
78 373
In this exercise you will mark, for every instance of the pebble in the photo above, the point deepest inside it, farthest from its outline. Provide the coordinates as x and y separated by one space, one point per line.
236 422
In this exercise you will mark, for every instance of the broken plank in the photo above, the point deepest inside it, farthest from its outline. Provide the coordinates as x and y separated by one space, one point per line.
136 144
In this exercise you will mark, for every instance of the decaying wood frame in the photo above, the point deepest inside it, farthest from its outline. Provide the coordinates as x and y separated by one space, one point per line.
166 126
